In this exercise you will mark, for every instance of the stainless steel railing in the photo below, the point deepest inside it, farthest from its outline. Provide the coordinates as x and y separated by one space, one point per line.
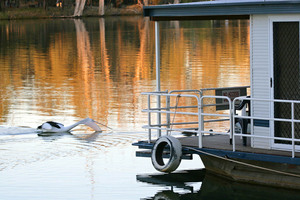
271 119
198 113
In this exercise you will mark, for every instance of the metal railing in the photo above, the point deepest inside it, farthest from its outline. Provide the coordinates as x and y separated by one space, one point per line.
168 110
291 120
200 114
203 114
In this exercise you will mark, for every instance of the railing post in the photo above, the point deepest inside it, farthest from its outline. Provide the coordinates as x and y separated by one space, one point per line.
200 122
168 114
293 130
157 57
149 118
252 123
232 125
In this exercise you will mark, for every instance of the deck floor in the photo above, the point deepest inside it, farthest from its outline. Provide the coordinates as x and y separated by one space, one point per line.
222 142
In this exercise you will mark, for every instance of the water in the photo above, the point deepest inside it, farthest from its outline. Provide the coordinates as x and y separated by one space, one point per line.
66 70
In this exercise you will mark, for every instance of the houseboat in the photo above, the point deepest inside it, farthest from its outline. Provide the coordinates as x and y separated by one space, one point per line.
261 144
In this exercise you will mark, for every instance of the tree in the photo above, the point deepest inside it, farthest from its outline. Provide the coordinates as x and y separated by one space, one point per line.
45 5
146 3
17 3
79 8
101 7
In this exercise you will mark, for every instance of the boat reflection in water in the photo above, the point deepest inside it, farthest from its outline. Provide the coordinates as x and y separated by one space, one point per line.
211 187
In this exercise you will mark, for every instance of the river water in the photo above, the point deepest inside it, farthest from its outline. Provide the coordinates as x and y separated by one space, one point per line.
65 70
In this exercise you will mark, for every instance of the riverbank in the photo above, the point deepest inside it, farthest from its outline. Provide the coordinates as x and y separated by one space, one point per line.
53 12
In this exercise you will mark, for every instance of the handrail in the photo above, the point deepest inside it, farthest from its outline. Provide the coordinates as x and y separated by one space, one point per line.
292 121
224 88
181 91
167 110
201 124
168 94
231 117
200 105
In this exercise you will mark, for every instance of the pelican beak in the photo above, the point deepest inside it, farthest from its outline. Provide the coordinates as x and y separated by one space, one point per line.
93 125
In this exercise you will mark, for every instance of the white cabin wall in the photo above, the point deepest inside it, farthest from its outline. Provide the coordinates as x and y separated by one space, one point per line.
261 63
260 75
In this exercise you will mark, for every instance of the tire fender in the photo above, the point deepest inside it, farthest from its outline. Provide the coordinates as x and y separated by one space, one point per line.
175 148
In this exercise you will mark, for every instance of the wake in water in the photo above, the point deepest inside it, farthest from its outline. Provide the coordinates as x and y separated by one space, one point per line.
6 130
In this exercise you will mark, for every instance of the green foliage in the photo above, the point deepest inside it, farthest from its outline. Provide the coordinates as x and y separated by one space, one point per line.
28 13
26 9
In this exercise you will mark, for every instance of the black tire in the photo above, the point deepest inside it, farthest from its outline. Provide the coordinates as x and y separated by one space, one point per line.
175 154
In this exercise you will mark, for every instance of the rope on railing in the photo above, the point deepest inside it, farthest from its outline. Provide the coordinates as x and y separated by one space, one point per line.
176 106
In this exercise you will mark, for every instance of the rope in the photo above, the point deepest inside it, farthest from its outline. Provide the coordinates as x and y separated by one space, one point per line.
176 106
245 164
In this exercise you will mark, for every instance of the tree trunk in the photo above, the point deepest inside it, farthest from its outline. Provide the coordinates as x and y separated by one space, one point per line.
89 3
146 2
45 5
79 7
101 7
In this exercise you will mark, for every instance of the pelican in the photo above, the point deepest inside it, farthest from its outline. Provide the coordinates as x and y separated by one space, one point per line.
55 127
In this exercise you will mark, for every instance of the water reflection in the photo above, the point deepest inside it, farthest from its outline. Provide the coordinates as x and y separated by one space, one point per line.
211 187
65 70
53 136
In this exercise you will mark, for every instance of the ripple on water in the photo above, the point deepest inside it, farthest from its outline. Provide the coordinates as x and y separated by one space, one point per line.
5 130
22 149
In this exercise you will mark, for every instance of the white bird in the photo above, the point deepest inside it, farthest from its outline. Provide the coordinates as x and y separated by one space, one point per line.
55 127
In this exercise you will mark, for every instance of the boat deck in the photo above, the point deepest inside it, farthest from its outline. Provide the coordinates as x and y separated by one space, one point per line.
222 142
220 145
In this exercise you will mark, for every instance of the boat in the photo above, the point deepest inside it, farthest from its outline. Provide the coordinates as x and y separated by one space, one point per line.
261 144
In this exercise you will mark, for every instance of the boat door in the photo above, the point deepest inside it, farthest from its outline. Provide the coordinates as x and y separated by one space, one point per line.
285 80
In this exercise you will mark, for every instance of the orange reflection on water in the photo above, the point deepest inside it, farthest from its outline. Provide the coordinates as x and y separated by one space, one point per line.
66 70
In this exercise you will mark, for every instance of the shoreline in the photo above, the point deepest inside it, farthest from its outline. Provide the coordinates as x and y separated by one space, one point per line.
54 12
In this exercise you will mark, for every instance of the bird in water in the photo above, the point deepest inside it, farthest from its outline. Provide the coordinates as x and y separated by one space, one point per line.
55 127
